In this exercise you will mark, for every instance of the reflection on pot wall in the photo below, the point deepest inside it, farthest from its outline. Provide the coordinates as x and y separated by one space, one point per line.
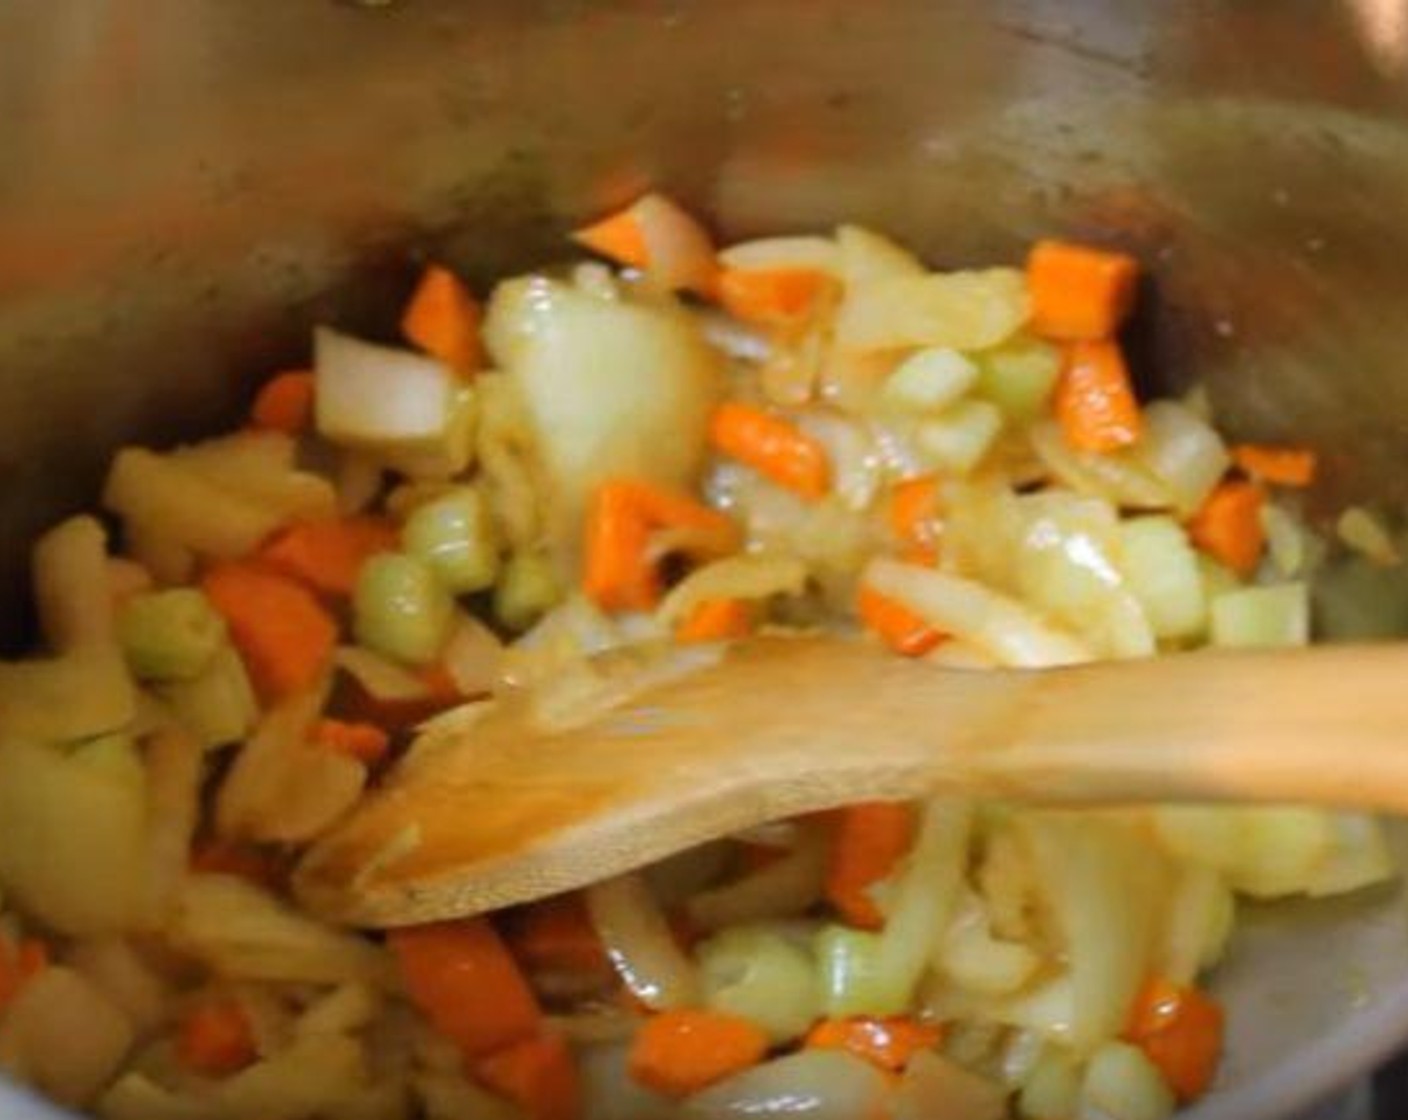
186 184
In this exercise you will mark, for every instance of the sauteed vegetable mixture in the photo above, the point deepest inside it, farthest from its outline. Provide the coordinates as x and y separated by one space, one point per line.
673 449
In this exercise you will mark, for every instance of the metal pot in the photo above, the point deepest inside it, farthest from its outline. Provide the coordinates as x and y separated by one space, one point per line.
187 185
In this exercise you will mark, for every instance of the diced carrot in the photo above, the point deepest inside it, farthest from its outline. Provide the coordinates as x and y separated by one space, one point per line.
215 1039
617 571
1079 294
539 1075
328 554
284 634
887 1043
773 297
913 517
284 403
895 624
776 449
870 840
228 857
618 238
557 935
1279 466
679 1052
1180 1030
18 965
1228 527
467 984
716 620
365 742
1094 398
442 318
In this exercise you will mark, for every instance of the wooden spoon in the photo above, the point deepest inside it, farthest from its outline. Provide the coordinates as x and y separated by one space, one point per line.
501 813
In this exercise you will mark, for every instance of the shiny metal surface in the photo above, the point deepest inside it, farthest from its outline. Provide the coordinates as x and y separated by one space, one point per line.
185 185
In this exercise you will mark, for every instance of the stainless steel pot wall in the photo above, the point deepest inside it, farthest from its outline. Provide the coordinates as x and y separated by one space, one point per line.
186 185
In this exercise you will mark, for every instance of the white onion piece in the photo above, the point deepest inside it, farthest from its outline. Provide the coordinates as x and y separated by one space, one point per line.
996 624
473 656
640 943
381 678
372 396
1116 477
64 1036
611 388
245 933
811 1084
935 1088
747 577
72 588
866 256
804 252
1183 451
678 251
787 886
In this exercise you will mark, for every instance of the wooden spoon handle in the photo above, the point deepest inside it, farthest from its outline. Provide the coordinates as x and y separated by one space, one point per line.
1328 727
502 812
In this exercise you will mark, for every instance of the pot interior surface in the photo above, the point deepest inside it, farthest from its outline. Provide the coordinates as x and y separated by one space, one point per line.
186 186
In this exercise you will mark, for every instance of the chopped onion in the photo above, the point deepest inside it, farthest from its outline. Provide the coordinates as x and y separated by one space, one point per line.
640 944
62 699
1106 886
74 833
936 1088
996 624
245 933
62 1035
1183 452
866 257
1116 477
174 772
1123 1084
377 396
473 656
283 788
678 251
260 466
381 678
809 1085
747 577
962 310
611 389
803 252
71 585
159 497
789 885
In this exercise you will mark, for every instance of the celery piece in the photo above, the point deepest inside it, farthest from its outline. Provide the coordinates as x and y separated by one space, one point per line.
929 381
218 706
758 974
455 536
1123 1084
528 586
852 977
957 440
170 635
400 608
1261 617
1161 570
1019 377
1052 1091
